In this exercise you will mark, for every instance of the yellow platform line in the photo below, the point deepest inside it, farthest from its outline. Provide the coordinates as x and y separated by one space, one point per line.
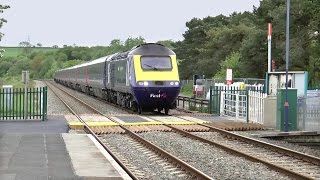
79 125
179 123
194 119
143 123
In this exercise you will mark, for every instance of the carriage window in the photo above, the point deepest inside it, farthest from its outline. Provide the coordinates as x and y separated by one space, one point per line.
156 63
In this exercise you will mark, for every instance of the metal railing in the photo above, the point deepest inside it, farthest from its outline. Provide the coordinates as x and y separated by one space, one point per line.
20 103
193 104
308 112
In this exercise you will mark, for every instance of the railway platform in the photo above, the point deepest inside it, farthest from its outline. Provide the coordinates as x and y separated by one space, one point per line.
27 152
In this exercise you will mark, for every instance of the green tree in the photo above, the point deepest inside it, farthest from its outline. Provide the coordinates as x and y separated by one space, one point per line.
2 20
167 43
131 42
232 62
5 66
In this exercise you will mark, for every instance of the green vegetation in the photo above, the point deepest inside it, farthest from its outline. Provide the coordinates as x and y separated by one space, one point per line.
239 41
210 45
16 51
198 108
186 90
15 81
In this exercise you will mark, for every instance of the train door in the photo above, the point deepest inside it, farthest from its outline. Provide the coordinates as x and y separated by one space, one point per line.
112 74
127 73
105 74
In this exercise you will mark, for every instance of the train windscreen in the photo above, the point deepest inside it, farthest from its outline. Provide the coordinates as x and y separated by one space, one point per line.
156 63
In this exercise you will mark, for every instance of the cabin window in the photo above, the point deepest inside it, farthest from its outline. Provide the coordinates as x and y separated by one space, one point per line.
155 63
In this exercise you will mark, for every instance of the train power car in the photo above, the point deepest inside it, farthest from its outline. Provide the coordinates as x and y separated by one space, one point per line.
145 78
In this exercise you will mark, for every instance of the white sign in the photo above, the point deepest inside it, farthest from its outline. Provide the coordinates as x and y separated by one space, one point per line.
229 75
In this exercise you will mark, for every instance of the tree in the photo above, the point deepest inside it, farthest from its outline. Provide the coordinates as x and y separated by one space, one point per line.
231 62
25 44
2 20
131 42
167 43
39 45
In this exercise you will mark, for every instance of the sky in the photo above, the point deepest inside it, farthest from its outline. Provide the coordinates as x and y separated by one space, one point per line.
97 22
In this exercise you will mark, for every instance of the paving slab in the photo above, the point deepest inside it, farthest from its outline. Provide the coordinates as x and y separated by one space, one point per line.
55 156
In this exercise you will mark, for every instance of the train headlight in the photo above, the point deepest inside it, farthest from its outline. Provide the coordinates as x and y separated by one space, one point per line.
174 83
143 83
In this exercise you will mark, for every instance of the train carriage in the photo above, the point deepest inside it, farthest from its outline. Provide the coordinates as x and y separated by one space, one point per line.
143 79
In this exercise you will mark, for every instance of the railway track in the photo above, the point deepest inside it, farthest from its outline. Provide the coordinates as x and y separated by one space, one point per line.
172 166
177 111
290 162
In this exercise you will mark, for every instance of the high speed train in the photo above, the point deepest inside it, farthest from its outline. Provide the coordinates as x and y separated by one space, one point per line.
144 78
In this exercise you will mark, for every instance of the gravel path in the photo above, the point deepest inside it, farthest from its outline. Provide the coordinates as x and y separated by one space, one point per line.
211 160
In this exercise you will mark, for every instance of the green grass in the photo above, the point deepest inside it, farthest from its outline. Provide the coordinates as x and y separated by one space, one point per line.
186 90
15 51
16 82
16 108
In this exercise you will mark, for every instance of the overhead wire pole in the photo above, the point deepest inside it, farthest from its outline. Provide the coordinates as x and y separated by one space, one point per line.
286 103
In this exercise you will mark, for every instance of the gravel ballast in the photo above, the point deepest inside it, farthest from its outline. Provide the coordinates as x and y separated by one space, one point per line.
211 160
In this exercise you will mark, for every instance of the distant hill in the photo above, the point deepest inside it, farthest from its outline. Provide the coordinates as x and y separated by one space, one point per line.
15 51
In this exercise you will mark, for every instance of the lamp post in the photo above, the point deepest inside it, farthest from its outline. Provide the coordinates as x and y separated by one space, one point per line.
286 103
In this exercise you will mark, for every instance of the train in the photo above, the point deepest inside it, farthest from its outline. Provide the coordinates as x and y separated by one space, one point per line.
143 79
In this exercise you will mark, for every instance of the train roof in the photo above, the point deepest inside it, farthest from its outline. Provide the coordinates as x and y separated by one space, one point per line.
144 49
96 61
151 49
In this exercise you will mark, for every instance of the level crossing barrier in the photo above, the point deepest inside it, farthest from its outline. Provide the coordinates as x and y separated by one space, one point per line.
246 103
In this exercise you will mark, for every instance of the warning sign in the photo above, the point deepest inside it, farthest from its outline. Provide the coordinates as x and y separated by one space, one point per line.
229 76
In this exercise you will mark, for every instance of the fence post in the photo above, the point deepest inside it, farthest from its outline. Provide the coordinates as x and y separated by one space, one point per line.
237 106
25 102
44 115
219 91
221 103
248 105
210 102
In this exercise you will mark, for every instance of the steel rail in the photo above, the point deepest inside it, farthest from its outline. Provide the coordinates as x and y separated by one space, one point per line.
234 151
93 134
285 151
181 163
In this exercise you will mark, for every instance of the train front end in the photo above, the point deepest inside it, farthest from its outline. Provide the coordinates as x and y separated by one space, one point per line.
156 83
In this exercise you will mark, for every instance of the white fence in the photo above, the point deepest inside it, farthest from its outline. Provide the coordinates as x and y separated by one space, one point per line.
256 106
234 104
243 105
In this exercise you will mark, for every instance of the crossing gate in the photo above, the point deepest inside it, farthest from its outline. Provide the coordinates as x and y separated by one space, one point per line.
244 105
308 114
256 106
234 104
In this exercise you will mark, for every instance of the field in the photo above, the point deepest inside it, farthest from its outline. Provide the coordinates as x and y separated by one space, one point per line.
15 51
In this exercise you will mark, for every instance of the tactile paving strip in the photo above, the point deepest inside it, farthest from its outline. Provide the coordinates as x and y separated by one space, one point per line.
134 120
170 120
